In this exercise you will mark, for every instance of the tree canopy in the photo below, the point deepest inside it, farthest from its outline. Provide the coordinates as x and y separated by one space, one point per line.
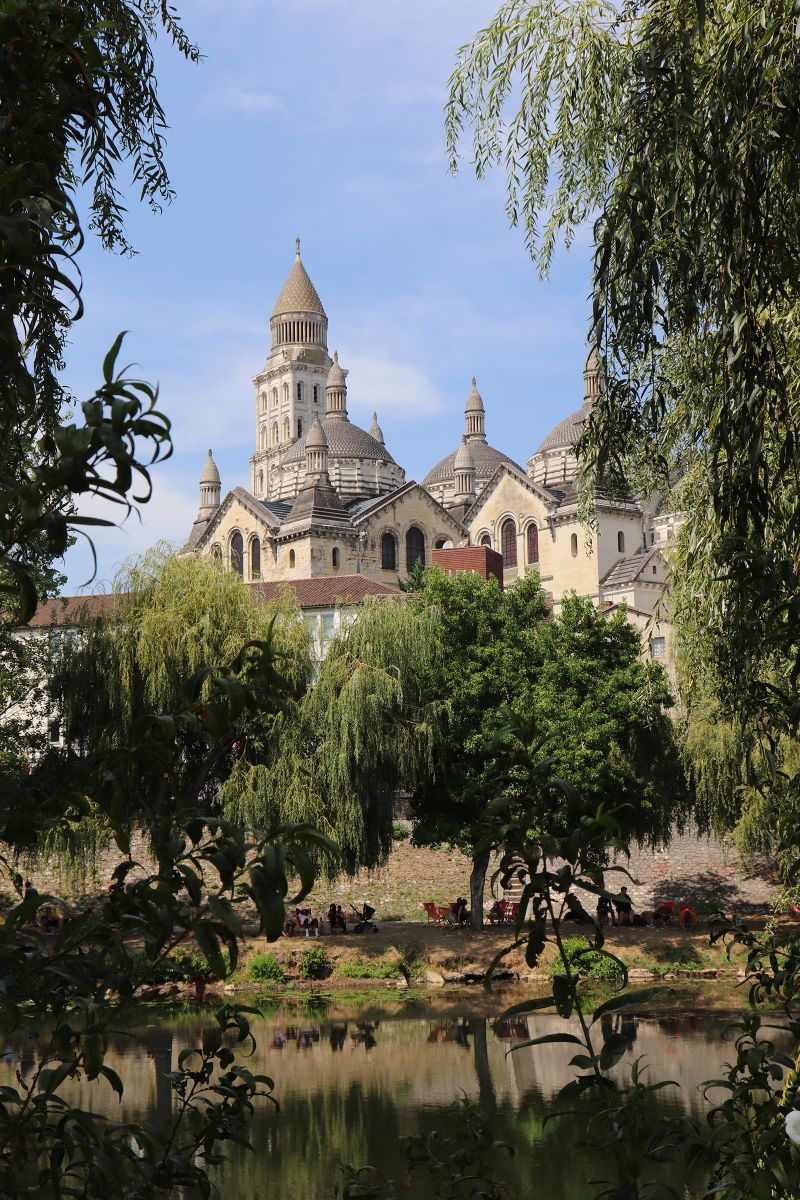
671 127
597 709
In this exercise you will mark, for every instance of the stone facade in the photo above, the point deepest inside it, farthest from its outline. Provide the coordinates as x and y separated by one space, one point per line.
326 496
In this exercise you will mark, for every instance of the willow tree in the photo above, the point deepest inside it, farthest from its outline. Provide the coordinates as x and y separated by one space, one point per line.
672 128
369 726
174 622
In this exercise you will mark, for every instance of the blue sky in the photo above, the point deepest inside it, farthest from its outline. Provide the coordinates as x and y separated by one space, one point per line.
323 118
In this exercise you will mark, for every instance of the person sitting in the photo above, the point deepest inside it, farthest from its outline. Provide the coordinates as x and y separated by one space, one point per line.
336 919
624 907
605 911
460 911
307 922
497 913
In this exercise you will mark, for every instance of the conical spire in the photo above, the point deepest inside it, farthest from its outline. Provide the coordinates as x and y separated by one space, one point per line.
474 414
209 484
298 294
375 430
336 392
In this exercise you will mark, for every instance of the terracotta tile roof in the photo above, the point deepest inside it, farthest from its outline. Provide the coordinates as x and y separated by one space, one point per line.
322 591
325 591
66 610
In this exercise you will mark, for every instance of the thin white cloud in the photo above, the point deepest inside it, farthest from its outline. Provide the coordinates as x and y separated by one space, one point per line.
378 382
168 516
248 101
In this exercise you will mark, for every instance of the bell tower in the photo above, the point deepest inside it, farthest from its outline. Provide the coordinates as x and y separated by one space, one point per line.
290 388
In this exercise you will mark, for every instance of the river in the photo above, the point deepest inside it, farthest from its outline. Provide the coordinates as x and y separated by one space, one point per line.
353 1079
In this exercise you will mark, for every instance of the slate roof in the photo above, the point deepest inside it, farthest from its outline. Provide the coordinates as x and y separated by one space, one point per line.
623 573
485 457
345 440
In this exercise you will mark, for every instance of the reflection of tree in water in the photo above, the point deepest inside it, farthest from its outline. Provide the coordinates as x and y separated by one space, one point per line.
296 1150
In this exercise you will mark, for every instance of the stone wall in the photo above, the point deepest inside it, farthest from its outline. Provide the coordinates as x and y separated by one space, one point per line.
697 869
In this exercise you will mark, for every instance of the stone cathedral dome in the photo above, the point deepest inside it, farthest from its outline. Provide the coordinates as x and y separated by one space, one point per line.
441 479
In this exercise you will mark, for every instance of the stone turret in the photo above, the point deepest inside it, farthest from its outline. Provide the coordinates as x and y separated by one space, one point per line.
209 487
375 430
336 392
474 415
464 472
317 455
592 377
209 501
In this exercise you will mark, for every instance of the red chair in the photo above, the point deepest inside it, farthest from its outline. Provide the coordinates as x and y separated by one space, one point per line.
511 918
686 916
497 913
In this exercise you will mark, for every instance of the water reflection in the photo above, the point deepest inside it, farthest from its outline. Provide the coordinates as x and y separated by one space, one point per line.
351 1086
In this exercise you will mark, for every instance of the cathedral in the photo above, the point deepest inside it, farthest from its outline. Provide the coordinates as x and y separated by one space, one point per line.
327 498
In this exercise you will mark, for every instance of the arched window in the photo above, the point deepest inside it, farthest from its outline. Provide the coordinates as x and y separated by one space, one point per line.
263 437
388 552
335 556
291 558
274 433
533 543
316 394
274 397
300 392
255 559
260 482
299 429
237 553
415 548
486 539
508 541
286 429
286 392
216 552
621 542
573 545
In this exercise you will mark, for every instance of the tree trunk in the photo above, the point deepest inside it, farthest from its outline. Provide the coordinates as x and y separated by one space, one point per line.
486 1093
477 881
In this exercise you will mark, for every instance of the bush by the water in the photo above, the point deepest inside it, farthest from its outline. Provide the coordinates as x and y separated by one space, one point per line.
590 962
183 967
314 963
362 969
265 968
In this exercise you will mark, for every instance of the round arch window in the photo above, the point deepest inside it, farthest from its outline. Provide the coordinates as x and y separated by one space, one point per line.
415 548
237 552
508 540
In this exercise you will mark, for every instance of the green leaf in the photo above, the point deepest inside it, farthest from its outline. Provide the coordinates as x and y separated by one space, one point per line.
547 1037
625 1000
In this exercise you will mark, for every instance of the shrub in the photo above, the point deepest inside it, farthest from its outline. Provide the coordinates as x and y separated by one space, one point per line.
182 967
594 965
361 969
314 963
265 968
399 831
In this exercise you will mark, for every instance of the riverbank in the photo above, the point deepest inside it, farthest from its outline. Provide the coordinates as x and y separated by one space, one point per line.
409 954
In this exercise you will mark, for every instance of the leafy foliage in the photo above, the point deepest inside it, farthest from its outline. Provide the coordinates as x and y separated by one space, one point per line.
598 710
265 968
673 126
338 755
314 963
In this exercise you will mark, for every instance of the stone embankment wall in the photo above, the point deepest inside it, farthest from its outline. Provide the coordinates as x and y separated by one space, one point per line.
694 868
697 869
